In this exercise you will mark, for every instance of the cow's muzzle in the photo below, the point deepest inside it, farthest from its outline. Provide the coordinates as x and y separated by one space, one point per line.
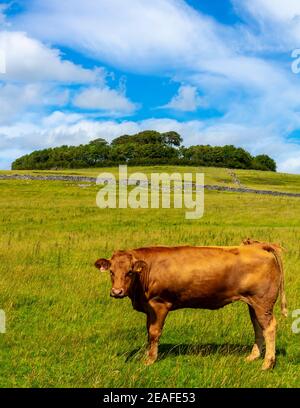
117 293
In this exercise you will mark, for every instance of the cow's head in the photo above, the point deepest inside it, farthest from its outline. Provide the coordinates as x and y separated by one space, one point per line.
123 269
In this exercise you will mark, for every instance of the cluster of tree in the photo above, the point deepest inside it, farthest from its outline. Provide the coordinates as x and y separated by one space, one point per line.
145 148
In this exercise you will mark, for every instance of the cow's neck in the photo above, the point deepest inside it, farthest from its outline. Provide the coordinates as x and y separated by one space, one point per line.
137 294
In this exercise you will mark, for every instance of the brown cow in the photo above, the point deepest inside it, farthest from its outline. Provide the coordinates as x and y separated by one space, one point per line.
161 279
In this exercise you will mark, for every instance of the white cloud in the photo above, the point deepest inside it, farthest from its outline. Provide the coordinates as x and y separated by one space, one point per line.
187 99
166 36
37 77
291 165
271 9
7 156
105 99
60 128
27 59
147 35
162 35
278 22
28 98
15 98
58 118
257 93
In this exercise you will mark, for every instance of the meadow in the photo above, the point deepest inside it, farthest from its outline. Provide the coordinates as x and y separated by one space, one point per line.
64 330
261 180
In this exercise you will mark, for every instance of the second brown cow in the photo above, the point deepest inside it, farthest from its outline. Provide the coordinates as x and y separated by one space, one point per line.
161 279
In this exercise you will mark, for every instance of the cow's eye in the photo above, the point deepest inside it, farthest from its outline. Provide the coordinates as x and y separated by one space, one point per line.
111 273
130 273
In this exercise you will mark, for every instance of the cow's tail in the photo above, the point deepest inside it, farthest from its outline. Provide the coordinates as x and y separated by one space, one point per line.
276 250
283 302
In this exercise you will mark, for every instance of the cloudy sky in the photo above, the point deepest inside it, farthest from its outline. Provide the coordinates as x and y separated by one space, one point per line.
218 72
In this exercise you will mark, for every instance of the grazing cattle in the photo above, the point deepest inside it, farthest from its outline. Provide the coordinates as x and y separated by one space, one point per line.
161 279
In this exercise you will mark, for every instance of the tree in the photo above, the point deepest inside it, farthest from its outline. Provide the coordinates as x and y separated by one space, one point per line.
264 162
145 137
98 141
172 138
144 148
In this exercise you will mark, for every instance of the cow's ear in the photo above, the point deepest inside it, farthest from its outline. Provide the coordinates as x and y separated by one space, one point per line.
139 266
102 264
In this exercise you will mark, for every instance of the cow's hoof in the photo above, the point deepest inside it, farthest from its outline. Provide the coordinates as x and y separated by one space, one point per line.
149 361
252 357
268 365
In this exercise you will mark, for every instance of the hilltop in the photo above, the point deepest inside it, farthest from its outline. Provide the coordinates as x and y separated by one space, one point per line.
143 149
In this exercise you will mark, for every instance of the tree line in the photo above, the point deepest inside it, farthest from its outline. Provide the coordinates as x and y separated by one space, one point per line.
143 149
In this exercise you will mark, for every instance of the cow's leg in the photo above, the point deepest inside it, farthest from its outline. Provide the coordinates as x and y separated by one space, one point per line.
259 337
155 321
270 338
268 323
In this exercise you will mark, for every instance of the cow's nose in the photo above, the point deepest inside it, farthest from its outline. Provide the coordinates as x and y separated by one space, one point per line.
117 292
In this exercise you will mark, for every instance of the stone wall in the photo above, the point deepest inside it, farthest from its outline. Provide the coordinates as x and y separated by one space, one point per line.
93 180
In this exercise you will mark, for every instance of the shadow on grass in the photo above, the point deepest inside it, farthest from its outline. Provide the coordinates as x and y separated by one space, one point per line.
203 350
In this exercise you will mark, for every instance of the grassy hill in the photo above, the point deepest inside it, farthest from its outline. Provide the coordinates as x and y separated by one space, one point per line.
264 180
63 329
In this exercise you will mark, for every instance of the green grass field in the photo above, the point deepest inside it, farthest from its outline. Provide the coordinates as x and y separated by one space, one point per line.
63 329
261 180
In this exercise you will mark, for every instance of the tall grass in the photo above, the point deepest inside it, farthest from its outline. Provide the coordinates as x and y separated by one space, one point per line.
63 329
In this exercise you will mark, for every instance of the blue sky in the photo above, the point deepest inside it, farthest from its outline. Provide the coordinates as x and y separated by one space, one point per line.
218 72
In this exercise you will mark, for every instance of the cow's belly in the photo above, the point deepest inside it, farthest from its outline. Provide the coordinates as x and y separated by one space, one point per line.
202 290
203 302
